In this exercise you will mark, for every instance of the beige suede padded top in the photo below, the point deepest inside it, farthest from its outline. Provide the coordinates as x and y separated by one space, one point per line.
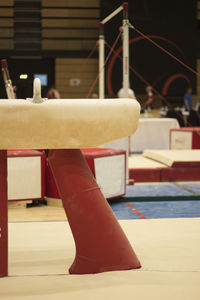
66 123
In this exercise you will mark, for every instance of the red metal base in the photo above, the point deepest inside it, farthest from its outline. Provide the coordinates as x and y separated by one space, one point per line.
101 244
3 215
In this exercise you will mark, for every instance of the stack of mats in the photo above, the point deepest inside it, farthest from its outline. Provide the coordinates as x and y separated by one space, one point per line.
165 165
26 175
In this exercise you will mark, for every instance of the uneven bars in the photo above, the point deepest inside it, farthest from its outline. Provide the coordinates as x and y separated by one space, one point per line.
114 13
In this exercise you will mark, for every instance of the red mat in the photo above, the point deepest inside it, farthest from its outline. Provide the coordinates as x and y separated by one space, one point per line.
186 167
90 156
185 138
145 175
180 174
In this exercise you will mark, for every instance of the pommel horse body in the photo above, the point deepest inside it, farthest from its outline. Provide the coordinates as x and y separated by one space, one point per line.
64 127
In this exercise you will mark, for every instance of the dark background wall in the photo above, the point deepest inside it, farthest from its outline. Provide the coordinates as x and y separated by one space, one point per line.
34 34
30 67
174 21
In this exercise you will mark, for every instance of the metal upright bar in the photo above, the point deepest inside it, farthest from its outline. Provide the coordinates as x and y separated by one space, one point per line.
101 62
114 13
102 50
7 79
125 50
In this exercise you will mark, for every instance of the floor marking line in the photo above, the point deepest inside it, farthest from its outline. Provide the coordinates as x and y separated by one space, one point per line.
182 186
137 212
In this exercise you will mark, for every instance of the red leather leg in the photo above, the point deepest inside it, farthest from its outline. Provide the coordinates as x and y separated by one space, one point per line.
101 244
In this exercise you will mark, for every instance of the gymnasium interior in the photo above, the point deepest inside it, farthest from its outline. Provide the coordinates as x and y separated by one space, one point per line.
99 188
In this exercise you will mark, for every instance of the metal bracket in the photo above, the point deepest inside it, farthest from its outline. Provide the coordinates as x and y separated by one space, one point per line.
37 92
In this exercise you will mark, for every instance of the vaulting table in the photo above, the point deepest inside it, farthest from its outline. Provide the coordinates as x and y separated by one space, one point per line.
63 127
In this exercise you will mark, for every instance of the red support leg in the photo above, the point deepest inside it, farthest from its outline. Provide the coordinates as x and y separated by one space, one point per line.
101 244
3 215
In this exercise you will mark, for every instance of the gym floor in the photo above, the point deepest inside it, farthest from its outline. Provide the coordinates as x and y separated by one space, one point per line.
161 222
159 200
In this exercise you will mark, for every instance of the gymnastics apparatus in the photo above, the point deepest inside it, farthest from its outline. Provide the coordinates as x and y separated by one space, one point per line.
64 127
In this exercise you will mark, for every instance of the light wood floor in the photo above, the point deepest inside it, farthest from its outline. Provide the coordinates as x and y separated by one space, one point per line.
40 254
41 249
18 212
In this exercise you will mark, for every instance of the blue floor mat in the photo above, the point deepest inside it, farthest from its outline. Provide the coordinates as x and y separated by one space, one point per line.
163 190
155 190
157 209
123 212
195 187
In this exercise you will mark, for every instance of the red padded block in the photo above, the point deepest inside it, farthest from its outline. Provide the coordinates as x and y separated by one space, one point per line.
100 152
185 138
18 154
23 153
95 157
91 155
186 164
145 174
180 174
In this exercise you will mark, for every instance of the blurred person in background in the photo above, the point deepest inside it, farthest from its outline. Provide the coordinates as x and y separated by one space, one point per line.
53 93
